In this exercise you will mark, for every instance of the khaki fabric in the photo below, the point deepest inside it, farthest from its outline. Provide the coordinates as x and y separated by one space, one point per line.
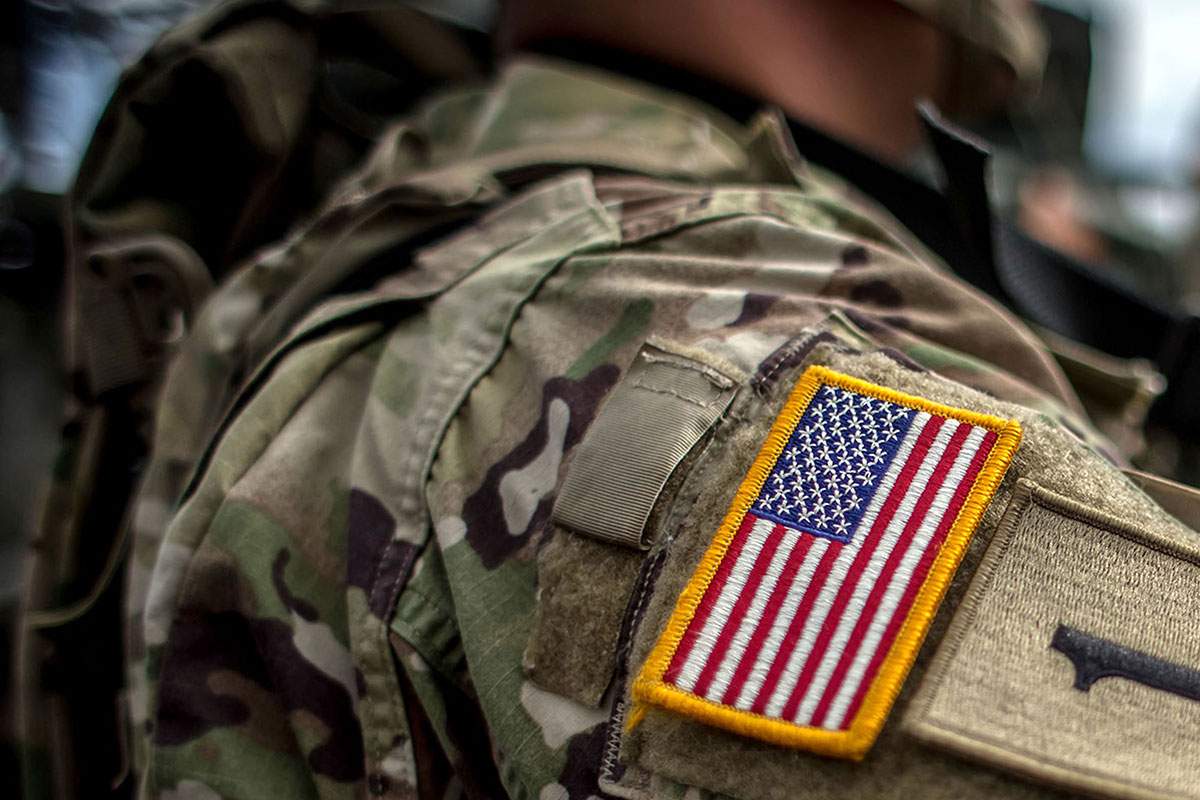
999 693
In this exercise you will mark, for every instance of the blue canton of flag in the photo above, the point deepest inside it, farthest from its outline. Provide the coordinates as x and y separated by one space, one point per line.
833 462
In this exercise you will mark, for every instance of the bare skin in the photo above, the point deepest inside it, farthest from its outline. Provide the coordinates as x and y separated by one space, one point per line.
854 68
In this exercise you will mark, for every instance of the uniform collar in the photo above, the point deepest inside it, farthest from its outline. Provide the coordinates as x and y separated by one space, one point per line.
952 219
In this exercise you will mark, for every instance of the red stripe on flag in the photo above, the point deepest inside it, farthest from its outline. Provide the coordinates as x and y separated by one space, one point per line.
738 612
770 612
918 577
710 598
920 510
915 459
820 575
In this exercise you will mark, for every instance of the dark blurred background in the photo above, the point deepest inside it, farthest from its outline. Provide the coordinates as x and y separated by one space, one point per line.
1102 163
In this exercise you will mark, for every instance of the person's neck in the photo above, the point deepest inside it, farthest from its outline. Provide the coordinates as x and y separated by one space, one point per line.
853 68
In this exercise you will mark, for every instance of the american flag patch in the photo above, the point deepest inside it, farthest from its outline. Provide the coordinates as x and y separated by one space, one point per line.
807 610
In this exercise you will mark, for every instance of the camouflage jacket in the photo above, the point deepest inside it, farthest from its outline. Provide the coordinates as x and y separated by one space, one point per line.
355 569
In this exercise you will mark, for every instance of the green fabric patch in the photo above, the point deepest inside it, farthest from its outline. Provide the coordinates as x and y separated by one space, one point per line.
240 767
255 541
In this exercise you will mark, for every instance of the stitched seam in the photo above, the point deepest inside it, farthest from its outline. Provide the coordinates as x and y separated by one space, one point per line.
638 607
383 648
763 383
796 346
679 362
378 566
427 600
612 743
1126 531
616 720
781 358
638 384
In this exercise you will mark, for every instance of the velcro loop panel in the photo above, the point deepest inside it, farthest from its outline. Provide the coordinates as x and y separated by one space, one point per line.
663 406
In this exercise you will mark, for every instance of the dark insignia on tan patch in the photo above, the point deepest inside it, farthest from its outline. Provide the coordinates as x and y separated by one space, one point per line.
1095 658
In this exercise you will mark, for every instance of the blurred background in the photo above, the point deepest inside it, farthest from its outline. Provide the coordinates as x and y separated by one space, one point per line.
1103 163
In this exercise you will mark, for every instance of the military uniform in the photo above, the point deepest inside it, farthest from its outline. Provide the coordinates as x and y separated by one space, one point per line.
431 537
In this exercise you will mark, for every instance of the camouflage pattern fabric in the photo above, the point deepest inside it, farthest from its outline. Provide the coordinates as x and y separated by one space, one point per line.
236 125
332 570
341 600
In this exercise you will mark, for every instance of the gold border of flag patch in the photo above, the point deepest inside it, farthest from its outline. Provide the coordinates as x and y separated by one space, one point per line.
853 742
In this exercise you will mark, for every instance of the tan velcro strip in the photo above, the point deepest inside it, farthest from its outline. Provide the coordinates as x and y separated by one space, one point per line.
662 407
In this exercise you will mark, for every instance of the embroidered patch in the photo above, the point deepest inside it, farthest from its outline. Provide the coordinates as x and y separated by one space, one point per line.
808 608
1095 657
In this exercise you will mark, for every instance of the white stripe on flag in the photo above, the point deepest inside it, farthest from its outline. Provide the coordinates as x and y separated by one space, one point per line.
741 639
706 640
899 582
866 579
787 610
796 659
